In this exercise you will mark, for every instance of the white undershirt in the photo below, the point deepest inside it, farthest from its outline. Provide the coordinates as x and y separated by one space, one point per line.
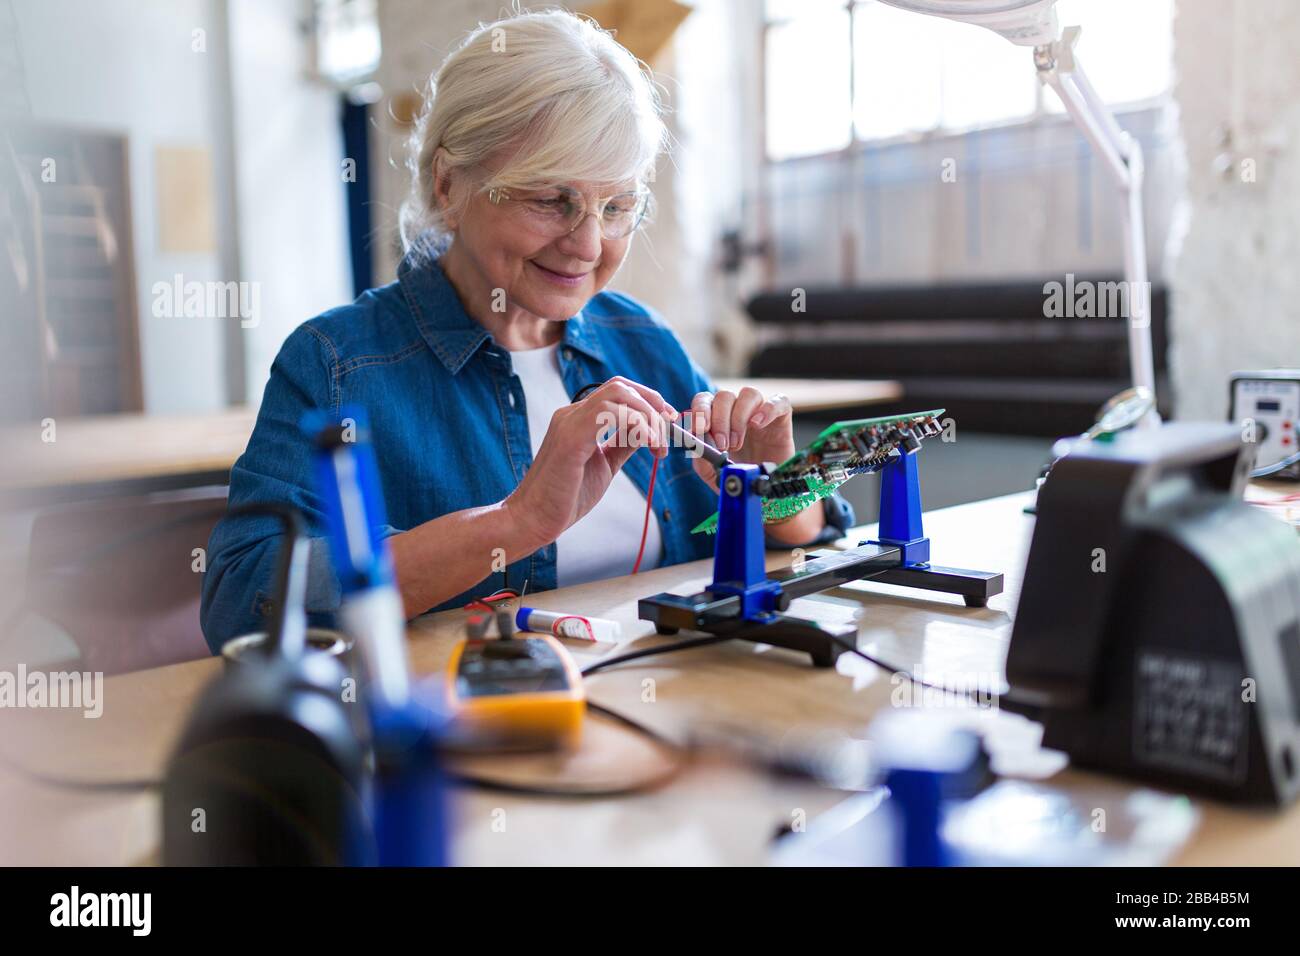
602 543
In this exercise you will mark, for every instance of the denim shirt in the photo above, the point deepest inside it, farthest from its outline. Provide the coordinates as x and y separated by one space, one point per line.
449 429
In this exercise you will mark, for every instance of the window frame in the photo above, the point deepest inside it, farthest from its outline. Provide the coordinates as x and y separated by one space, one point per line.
858 144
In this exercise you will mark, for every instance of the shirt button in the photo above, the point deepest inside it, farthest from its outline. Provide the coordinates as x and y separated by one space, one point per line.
568 355
668 514
511 396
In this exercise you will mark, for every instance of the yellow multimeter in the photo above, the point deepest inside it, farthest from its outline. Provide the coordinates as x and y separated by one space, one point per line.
517 691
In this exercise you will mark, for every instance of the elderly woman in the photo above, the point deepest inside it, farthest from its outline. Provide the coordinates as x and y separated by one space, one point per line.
529 167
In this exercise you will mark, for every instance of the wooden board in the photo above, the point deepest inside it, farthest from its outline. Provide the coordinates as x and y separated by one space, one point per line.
820 394
121 449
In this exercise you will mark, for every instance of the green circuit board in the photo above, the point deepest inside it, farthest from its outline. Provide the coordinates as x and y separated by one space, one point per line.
842 451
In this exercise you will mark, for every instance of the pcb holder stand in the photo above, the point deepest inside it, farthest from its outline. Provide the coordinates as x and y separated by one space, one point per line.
744 602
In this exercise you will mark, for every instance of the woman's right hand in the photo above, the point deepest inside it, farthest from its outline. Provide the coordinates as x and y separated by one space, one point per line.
574 467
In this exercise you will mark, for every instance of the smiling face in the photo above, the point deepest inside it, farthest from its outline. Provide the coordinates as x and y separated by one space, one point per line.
503 246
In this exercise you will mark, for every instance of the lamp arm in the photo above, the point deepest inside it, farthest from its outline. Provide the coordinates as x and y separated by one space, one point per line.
1093 118
1122 156
1105 116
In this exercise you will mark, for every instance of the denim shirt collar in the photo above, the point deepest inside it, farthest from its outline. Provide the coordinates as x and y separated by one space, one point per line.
442 320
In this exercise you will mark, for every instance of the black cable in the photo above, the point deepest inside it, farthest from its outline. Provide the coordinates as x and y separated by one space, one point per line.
682 754
1277 466
682 645
849 646
65 783
912 678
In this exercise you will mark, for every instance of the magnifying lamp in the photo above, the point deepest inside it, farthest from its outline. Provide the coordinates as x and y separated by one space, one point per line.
1033 23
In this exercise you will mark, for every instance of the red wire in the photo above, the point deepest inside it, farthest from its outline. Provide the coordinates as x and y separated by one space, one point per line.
488 603
645 528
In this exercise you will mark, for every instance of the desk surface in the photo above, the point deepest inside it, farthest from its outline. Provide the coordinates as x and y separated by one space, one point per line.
714 814
820 395
149 452
120 449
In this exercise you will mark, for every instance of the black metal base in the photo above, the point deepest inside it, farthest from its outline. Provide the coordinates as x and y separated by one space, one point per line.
720 614
975 587
823 643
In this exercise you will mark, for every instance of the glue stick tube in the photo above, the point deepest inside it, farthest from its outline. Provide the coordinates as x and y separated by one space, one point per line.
567 625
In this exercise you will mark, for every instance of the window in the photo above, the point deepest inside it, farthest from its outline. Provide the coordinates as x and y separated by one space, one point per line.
347 40
839 71
808 87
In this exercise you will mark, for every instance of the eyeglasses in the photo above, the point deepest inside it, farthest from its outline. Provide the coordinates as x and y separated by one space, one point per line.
559 211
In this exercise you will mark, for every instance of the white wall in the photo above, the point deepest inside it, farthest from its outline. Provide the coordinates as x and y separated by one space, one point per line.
127 67
1235 283
292 216
273 133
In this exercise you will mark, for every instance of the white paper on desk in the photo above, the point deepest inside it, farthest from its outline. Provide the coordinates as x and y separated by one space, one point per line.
1012 823
1019 823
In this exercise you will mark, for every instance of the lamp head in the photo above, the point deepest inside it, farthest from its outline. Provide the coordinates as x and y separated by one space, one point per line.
1023 22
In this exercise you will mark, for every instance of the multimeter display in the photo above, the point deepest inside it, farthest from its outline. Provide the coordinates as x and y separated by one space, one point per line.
520 691
510 667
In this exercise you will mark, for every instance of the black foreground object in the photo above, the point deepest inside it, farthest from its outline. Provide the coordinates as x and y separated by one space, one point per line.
1158 631
269 769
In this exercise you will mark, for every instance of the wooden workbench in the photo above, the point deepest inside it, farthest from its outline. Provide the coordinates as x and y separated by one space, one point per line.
716 813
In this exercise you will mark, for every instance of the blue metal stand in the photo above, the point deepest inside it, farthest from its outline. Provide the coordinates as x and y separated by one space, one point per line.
900 511
745 602
739 564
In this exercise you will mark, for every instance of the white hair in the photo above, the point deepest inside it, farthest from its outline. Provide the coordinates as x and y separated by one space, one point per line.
569 102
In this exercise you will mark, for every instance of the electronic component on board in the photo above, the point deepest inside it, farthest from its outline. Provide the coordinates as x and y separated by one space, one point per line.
842 451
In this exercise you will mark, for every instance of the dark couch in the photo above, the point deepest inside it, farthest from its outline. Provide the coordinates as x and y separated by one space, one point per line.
984 351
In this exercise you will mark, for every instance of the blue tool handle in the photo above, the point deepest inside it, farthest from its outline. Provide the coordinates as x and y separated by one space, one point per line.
917 798
347 480
409 797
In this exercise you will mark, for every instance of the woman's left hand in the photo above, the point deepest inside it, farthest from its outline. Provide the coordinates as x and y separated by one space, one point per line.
748 427
751 428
